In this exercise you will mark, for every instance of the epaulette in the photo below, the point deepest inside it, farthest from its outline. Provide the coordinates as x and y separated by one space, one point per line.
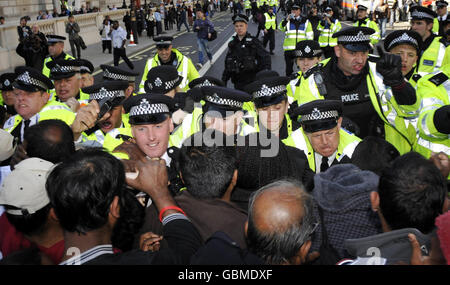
294 75
438 79
314 69
416 77
444 42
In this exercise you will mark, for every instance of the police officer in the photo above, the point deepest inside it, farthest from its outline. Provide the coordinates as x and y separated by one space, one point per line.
327 27
271 102
406 44
86 70
245 57
307 54
321 137
434 50
222 111
296 28
165 80
114 73
167 55
67 80
7 98
434 118
364 21
441 9
55 50
270 26
32 102
110 130
376 96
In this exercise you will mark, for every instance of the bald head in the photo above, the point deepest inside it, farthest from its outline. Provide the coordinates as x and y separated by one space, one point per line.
280 221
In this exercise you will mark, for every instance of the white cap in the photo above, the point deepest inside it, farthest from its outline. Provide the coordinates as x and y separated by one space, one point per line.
24 188
6 145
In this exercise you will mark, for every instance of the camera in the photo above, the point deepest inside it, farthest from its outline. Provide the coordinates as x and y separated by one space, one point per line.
105 106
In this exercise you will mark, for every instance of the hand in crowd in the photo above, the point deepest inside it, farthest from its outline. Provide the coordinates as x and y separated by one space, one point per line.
150 242
87 118
73 104
442 162
390 67
19 155
130 148
435 257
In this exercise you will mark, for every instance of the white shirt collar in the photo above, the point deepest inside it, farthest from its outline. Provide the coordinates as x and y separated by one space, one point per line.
318 159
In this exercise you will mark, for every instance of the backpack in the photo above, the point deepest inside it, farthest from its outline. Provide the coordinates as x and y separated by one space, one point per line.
213 36
328 254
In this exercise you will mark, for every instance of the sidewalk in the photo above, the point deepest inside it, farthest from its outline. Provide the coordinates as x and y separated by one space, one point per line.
94 54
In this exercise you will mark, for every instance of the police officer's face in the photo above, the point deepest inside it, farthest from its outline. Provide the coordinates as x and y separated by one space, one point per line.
325 142
306 63
272 117
441 10
67 87
361 14
164 53
240 28
28 104
228 125
55 49
114 120
409 57
350 62
86 80
421 27
296 12
153 139
8 97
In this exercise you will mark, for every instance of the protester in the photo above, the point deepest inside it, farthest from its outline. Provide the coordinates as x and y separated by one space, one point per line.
73 30
119 38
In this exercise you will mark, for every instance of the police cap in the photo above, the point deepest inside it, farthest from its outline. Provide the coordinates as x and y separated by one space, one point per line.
6 81
402 37
205 81
31 80
162 79
107 89
117 73
86 66
268 91
64 68
148 108
223 99
307 49
240 18
422 13
355 38
163 41
52 39
318 115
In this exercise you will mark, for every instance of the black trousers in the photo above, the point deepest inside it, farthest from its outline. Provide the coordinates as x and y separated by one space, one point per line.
76 48
106 45
121 53
289 60
158 28
269 37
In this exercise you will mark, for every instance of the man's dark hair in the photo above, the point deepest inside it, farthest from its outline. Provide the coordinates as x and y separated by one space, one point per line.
207 170
374 154
82 189
30 224
412 193
51 140
282 242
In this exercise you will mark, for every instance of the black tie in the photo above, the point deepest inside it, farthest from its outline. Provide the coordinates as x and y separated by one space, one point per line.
324 165
26 123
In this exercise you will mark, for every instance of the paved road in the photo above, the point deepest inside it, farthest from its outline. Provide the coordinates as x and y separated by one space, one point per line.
187 44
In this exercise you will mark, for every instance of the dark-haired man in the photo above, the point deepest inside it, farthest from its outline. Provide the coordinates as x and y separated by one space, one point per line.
411 195
89 214
208 170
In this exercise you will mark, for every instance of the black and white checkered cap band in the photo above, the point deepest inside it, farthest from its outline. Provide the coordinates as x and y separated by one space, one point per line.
316 52
162 43
221 101
359 38
317 115
26 79
103 93
170 84
404 38
205 83
269 91
64 69
421 15
145 108
116 76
